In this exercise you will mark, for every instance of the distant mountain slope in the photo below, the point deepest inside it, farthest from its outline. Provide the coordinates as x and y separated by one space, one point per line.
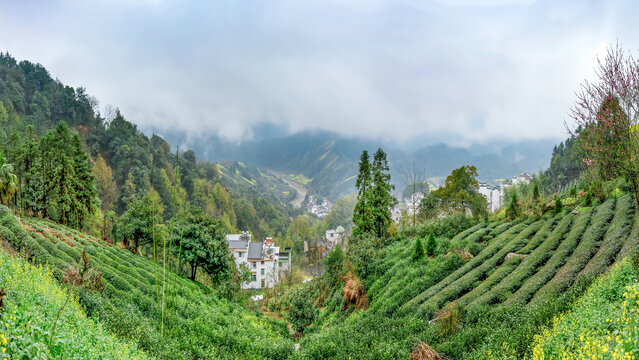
330 161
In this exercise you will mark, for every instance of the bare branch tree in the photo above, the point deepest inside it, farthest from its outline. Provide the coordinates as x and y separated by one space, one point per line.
606 117
415 183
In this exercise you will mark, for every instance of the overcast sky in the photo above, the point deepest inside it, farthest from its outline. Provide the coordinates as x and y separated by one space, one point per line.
475 70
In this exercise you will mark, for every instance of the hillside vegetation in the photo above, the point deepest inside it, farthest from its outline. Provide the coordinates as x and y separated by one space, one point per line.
198 322
486 292
30 304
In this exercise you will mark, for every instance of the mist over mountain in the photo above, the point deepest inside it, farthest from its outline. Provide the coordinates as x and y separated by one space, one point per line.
330 160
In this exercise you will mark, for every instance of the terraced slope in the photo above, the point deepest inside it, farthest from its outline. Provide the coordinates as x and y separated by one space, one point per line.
521 275
198 322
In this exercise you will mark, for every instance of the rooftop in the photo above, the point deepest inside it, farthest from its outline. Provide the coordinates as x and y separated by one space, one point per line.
237 244
255 250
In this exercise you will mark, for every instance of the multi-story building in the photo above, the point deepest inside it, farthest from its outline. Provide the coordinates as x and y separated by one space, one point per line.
494 195
267 263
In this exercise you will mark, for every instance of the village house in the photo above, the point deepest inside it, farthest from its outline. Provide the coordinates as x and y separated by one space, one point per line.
521 178
409 206
335 236
494 195
267 263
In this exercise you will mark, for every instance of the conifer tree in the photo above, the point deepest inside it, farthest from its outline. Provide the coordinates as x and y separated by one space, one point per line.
536 191
418 250
381 200
558 206
361 213
513 211
431 244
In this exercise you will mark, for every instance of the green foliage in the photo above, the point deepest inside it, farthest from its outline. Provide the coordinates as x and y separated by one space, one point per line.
431 244
55 174
201 241
362 217
341 214
459 194
536 193
135 227
418 250
558 206
198 320
372 212
302 311
8 180
27 324
334 264
513 210
566 164
602 324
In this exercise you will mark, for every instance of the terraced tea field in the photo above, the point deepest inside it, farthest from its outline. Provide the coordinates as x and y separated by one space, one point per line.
486 294
198 322
522 272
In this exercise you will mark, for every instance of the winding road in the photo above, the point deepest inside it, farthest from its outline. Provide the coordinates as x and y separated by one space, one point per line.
301 189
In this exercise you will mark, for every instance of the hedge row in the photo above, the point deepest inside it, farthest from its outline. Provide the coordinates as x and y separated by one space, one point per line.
558 259
588 246
614 239
529 266
488 252
466 283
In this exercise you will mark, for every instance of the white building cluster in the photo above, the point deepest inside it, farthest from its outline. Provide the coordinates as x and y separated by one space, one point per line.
267 263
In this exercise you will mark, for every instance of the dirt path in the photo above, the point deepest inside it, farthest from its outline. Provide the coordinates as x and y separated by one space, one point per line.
301 189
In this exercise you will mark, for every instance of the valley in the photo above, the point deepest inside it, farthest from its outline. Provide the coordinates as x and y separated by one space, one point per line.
319 180
299 188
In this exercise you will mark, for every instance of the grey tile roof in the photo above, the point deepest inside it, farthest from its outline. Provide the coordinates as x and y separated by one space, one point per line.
237 244
233 237
255 250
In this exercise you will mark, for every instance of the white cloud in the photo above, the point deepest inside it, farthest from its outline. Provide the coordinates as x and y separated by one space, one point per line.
394 69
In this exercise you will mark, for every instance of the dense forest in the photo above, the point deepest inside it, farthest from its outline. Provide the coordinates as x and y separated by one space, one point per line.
46 127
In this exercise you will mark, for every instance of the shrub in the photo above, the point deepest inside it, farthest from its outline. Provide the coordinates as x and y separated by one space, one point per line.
582 254
558 206
431 244
302 311
418 249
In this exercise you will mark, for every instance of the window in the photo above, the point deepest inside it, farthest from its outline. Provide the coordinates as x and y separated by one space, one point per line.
262 282
262 262
241 254
262 271
254 264
253 277
280 264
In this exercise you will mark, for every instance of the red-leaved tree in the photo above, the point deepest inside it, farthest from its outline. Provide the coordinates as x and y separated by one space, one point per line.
606 114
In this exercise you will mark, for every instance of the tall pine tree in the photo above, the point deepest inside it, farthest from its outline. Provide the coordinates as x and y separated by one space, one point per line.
381 200
362 212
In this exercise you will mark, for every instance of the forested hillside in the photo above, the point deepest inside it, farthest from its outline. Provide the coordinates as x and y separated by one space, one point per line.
123 163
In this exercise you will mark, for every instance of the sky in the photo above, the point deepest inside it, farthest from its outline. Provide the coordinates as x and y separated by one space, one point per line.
472 71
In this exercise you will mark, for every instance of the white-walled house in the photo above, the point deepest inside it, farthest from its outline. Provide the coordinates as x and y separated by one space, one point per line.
521 178
494 195
267 263
335 236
